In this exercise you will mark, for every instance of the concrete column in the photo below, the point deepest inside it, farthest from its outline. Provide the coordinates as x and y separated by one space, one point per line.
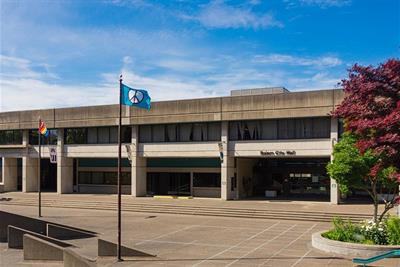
139 168
65 167
9 173
25 137
228 190
29 174
335 194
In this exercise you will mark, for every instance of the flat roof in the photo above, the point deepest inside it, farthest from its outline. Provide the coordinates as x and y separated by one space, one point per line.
226 108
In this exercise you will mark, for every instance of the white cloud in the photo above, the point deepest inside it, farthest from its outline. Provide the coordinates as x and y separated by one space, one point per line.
219 15
23 88
325 61
28 89
326 3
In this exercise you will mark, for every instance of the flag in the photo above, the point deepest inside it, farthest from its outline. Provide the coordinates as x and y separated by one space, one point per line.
43 129
135 97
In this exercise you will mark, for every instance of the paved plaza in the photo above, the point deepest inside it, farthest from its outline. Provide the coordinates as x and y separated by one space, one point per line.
187 240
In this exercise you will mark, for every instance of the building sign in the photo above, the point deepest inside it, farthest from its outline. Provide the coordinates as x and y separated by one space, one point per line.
53 155
278 153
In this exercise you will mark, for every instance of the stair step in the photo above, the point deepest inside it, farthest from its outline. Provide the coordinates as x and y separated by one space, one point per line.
192 210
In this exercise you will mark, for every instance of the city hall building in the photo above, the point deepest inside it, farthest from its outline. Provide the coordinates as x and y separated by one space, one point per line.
256 143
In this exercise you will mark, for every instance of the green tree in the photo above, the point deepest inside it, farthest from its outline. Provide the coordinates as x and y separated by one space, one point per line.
350 168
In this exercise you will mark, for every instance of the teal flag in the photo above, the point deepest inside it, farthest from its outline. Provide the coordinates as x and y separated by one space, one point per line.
135 97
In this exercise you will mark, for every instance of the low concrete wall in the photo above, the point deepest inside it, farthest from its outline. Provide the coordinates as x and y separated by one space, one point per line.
108 248
16 234
66 233
20 221
73 259
27 223
348 249
39 249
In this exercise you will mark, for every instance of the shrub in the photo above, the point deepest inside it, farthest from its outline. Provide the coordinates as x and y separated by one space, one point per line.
386 232
393 230
344 231
375 232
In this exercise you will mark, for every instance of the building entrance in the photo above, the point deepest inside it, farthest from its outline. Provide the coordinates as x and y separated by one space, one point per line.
168 183
298 178
48 172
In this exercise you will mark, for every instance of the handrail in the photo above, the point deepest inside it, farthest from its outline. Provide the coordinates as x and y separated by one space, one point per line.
392 253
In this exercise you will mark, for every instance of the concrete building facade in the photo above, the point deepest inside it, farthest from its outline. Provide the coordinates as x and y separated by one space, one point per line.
252 144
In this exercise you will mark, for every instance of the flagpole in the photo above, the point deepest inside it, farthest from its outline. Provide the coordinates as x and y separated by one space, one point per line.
38 178
119 171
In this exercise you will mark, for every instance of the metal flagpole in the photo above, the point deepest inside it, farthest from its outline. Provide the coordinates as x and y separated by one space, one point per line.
119 171
38 178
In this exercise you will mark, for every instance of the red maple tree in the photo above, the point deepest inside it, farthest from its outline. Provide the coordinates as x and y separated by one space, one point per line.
371 110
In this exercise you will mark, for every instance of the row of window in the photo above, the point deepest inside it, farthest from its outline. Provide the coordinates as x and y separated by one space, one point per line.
97 135
103 178
184 132
11 137
305 128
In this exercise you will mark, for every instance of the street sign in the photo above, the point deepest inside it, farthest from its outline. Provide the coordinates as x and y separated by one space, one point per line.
53 155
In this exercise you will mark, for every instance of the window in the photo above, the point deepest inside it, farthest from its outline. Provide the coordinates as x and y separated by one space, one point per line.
92 135
321 127
303 128
126 134
85 178
125 178
340 128
75 136
50 140
185 132
97 178
269 130
103 135
213 132
97 135
110 177
11 137
104 178
206 179
171 133
145 134
114 135
158 133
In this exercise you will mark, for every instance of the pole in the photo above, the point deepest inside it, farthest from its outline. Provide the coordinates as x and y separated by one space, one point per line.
38 178
119 171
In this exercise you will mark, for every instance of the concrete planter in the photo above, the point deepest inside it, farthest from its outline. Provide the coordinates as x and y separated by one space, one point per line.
348 249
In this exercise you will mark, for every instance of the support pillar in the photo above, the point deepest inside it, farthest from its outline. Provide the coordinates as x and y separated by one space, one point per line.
228 180
9 174
335 193
29 174
65 167
139 168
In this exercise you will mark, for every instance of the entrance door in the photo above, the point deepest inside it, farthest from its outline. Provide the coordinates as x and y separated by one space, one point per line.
167 183
292 178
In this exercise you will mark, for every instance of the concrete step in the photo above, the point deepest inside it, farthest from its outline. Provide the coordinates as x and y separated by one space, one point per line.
208 208
192 210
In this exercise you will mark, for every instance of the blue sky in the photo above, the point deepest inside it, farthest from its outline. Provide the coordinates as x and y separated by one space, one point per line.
71 52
